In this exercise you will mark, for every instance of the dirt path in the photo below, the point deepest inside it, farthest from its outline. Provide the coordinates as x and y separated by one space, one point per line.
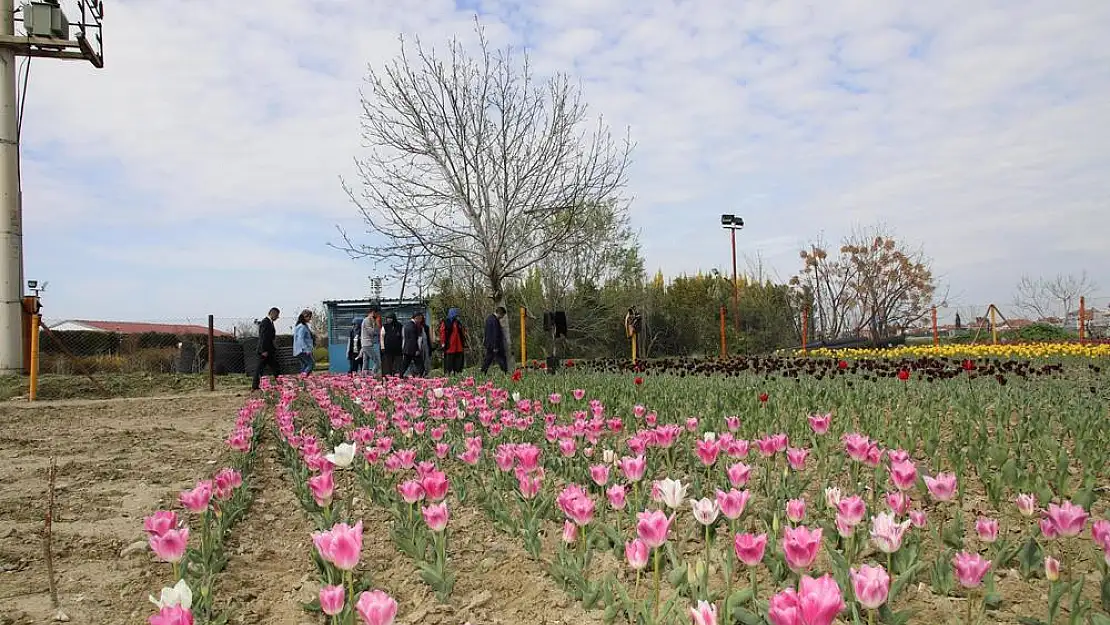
270 573
117 462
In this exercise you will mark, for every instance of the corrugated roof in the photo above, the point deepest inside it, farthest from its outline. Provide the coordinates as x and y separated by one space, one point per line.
135 327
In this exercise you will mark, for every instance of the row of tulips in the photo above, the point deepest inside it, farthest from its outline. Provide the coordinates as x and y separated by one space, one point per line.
435 420
317 475
214 506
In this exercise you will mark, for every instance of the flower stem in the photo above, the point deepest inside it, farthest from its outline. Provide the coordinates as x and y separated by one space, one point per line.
655 604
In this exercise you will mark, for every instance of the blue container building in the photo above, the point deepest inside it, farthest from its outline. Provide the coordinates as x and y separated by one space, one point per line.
342 315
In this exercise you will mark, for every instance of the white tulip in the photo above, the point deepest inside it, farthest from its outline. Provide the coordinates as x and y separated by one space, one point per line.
516 396
343 455
180 595
672 492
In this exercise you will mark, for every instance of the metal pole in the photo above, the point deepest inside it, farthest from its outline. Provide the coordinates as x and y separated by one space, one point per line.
735 282
1082 319
211 353
994 326
11 221
936 333
724 348
34 349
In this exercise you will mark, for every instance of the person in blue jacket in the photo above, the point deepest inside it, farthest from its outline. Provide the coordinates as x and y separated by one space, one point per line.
304 342
494 341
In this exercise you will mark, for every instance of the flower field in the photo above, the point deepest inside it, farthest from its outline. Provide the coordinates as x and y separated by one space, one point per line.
789 492
776 499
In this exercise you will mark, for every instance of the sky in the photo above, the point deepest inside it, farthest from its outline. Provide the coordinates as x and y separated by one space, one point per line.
199 172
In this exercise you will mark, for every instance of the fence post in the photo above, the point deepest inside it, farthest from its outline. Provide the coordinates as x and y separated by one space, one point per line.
936 335
211 353
1082 319
34 368
523 339
724 347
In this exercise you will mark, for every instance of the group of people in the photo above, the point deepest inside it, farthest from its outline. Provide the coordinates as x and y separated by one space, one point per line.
377 346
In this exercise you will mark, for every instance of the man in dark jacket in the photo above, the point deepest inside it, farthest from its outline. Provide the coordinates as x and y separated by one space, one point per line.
495 341
391 341
416 346
267 348
354 346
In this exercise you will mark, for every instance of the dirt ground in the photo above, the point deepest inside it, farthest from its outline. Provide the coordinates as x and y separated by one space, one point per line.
120 459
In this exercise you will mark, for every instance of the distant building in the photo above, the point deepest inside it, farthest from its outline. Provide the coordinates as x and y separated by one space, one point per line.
131 327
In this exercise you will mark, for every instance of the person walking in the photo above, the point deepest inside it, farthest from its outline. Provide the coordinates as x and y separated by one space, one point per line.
452 335
371 342
494 341
354 346
304 342
267 348
415 346
391 341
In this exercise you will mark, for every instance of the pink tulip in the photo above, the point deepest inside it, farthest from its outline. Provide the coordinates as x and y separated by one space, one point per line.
332 599
1068 518
197 500
435 485
707 451
616 495
322 486
529 485
843 527
1026 504
739 474
768 446
555 398
376 608
160 522
886 533
691 424
801 545
172 615
633 468
733 503
570 532
411 491
652 527
918 518
903 475
749 548
704 614
987 529
1100 532
599 473
897 456
796 510
942 487
442 450
871 585
796 458
636 552
898 502
225 482
732 423
567 447
856 446
1048 529
341 545
820 423
970 568
1051 569
170 545
436 516
817 602
852 510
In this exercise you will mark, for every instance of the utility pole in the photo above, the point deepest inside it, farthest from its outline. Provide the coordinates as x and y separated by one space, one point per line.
46 34
732 223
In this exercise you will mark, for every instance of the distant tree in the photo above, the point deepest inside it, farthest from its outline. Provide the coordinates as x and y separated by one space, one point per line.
474 162
1046 296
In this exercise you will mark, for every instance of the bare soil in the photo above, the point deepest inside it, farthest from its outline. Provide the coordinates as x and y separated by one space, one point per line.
120 459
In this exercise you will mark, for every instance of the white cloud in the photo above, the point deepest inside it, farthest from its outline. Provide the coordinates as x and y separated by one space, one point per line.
976 129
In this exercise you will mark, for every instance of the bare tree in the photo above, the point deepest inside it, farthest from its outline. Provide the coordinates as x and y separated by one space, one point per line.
1049 297
893 286
827 284
476 162
1032 298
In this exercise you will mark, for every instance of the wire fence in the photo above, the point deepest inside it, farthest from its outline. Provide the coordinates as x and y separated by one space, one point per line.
181 345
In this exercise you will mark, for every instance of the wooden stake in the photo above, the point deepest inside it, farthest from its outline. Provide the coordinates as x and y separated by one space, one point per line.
47 534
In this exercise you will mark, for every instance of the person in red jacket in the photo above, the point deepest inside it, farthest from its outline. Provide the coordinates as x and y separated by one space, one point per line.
452 336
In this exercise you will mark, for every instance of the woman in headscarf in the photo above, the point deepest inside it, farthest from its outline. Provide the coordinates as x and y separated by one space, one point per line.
452 336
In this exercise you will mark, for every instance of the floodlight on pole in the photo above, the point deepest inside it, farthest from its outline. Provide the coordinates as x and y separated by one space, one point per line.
732 223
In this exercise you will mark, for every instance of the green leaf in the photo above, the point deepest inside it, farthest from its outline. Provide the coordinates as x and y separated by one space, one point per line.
1099 619
1026 620
746 617
739 598
677 577
903 579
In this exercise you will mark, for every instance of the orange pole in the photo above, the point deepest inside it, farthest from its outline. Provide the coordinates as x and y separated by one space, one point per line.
1082 319
805 330
34 385
724 348
936 336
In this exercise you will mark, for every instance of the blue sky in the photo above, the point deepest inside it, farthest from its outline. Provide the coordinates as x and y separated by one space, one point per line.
199 171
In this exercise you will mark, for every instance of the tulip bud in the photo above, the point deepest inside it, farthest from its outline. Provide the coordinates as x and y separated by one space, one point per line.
1051 569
